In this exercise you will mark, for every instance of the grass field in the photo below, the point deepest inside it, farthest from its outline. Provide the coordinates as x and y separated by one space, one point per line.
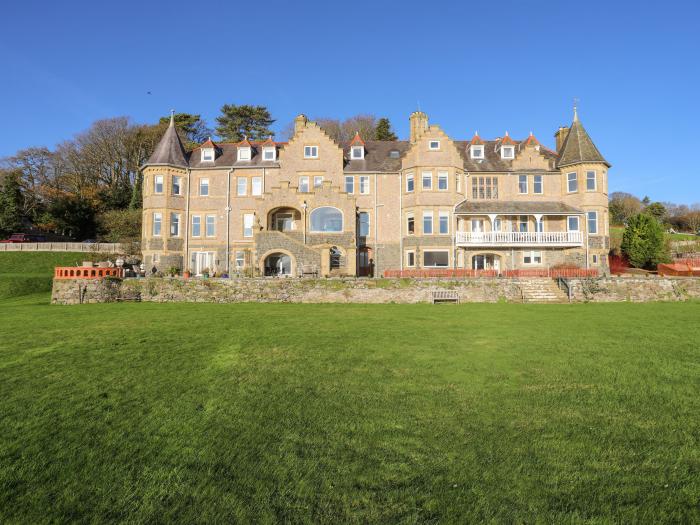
160 413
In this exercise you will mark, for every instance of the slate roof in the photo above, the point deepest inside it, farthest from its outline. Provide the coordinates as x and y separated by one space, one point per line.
492 161
227 156
515 207
169 150
377 156
578 147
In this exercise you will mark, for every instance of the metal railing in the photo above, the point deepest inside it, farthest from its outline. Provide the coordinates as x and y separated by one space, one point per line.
95 247
574 238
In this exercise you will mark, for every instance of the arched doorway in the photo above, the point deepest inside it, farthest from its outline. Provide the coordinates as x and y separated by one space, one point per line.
486 261
278 265
284 219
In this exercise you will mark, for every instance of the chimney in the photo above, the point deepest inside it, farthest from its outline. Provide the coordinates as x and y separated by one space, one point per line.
300 123
418 124
560 136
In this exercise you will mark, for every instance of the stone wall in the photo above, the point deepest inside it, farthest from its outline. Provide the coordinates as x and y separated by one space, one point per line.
358 290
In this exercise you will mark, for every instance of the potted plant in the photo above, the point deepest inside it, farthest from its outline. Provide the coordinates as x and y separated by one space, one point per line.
205 273
187 273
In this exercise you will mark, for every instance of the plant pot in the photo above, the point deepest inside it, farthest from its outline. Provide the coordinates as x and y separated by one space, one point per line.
186 275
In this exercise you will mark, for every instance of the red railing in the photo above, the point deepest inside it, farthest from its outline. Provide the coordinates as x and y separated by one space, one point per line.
440 272
693 262
85 272
679 269
553 272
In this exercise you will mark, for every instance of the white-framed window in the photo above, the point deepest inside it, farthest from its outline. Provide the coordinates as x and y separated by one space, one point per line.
537 184
592 217
410 259
304 184
269 153
158 184
409 183
357 152
427 179
364 184
410 224
590 181
239 259
522 184
318 181
349 184
539 225
434 145
444 223
442 180
248 219
522 223
256 186
436 258
497 224
326 219
203 187
572 223
174 225
210 226
532 257
157 224
196 226
241 186
364 223
207 154
571 182
244 153
310 152
427 223
507 152
177 185
476 152
484 187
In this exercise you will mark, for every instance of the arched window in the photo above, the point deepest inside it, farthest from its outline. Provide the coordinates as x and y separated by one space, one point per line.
326 219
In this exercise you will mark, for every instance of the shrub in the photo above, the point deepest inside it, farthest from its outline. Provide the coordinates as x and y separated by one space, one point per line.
643 242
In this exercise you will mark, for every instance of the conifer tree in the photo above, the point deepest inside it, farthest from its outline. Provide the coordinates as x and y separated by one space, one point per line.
384 131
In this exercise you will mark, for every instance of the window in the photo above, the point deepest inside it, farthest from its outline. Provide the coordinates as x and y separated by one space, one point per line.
537 186
532 257
196 226
409 182
522 184
444 223
410 224
240 259
477 152
177 186
364 224
595 259
318 181
484 187
592 221
410 259
364 184
248 224
497 224
269 153
590 181
458 182
304 184
427 223
394 154
203 187
174 225
349 184
242 186
427 180
572 224
434 145
157 224
207 154
326 219
434 258
357 152
539 225
257 186
522 223
507 152
210 225
158 184
571 182
310 152
244 153
442 180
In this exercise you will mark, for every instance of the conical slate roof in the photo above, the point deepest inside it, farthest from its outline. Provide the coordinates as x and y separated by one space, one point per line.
578 147
169 150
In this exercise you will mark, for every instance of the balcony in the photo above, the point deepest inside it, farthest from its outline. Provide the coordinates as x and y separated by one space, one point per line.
543 239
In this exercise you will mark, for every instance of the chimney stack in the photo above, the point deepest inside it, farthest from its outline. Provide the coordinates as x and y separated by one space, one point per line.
418 124
560 136
300 123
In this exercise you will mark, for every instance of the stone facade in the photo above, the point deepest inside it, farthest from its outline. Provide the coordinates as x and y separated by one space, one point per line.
364 207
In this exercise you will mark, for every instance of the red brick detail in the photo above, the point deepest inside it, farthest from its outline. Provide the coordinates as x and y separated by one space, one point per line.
85 272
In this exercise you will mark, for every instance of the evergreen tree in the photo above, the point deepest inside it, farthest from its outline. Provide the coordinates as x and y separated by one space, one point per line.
136 202
643 242
192 128
384 131
10 203
237 122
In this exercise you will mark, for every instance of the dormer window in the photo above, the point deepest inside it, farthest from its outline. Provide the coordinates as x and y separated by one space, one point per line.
357 152
477 152
508 152
207 154
269 153
434 145
243 153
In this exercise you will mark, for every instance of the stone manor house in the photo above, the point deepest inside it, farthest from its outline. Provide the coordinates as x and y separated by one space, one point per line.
313 206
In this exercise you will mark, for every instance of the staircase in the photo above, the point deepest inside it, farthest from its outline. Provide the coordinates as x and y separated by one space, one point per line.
267 240
541 290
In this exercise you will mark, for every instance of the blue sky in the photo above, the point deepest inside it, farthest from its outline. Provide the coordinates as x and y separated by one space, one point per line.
482 66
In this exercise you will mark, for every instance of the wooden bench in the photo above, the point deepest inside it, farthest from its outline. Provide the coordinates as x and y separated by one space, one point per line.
308 269
445 296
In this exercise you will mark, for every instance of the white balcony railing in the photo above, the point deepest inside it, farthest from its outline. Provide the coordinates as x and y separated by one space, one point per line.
519 238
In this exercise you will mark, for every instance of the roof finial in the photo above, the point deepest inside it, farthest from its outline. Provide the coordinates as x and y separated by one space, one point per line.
531 133
506 133
172 118
575 109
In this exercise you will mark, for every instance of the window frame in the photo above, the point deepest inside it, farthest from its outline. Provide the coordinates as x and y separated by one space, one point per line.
410 178
248 228
594 179
443 175
423 179
208 155
304 182
354 149
569 218
175 221
364 179
446 252
569 180
433 148
173 184
594 214
444 215
535 182
428 214
508 148
312 151
531 255
203 182
156 184
318 181
410 220
521 179
473 149
410 258
213 225
240 188
244 153
315 210
236 259
351 180
157 219
269 149
198 225
359 223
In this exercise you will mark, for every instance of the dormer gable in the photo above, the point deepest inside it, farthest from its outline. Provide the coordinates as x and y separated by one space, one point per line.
357 147
244 150
269 150
208 151
476 147
507 147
